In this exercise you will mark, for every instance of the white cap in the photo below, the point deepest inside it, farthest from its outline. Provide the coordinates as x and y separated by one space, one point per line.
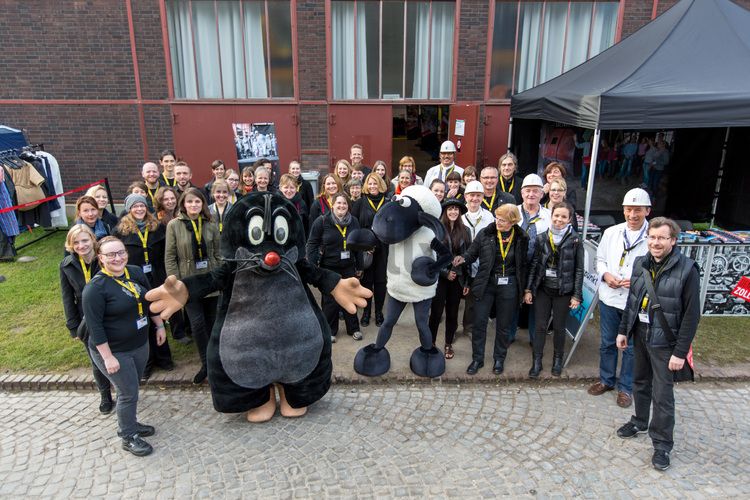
474 187
636 197
532 180
447 147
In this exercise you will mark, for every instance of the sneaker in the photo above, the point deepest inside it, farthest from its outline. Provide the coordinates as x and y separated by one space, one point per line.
333 339
357 335
660 460
137 446
629 430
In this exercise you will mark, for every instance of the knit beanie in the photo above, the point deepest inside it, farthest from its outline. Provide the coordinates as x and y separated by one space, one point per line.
132 199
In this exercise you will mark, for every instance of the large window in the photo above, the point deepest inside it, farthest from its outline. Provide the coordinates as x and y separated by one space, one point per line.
238 49
536 41
392 49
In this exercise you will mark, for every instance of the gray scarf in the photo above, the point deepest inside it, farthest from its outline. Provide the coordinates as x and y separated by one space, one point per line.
559 234
344 221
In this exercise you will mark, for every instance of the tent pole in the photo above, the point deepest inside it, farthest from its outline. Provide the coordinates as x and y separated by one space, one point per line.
592 174
718 179
510 132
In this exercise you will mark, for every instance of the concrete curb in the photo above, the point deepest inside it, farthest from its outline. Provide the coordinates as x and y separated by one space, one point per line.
20 382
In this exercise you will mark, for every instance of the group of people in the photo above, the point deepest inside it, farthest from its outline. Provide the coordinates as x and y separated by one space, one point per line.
516 255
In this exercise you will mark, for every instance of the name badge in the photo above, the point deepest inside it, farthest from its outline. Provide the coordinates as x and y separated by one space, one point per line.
201 264
345 254
147 268
643 317
550 273
502 280
142 322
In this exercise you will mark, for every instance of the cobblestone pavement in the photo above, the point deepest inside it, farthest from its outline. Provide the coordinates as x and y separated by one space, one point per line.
378 441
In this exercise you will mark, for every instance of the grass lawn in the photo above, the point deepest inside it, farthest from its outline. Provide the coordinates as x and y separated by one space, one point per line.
32 323
34 338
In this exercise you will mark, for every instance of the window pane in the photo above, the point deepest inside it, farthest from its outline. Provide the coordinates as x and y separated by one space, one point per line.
605 25
393 49
280 34
232 57
528 45
253 14
441 50
181 50
503 49
206 48
553 41
368 50
579 27
342 49
411 52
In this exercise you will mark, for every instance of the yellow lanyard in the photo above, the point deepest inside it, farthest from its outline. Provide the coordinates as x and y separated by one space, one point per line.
130 287
152 195
343 233
298 187
166 180
373 205
502 184
503 249
198 231
220 214
552 245
233 199
144 242
492 201
86 270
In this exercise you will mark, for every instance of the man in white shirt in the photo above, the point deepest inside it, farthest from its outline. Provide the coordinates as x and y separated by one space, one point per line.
535 219
475 219
618 249
446 165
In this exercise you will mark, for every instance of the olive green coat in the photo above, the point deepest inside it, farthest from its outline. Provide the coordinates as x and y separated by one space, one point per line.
179 257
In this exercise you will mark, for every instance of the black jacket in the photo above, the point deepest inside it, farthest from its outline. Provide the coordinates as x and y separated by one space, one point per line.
303 209
305 190
678 288
109 219
72 282
516 191
486 248
319 207
463 272
569 264
325 244
156 244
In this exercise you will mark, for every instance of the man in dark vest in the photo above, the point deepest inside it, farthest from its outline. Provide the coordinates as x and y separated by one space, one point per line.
659 350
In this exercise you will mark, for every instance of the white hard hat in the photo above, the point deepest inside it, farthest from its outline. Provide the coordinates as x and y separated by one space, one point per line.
447 147
532 180
474 187
636 197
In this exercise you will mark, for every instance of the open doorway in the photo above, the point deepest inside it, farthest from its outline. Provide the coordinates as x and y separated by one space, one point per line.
418 131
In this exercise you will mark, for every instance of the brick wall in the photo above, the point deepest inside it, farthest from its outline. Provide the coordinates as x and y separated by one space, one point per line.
152 64
472 50
311 47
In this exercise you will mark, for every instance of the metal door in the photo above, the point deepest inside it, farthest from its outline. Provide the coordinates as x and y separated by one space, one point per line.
370 126
464 119
203 133
496 124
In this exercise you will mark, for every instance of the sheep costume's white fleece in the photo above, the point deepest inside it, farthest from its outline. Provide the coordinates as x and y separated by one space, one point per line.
401 255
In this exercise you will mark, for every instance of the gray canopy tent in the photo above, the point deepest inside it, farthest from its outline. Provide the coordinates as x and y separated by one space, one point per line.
689 68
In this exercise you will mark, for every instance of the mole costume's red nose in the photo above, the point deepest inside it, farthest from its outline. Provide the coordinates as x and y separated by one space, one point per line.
271 259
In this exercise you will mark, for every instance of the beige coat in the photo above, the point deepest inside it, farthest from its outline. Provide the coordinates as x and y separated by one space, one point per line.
179 258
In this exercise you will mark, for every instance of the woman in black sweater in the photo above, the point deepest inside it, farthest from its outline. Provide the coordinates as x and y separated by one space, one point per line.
144 239
329 186
453 280
326 248
76 270
555 284
374 277
117 317
501 250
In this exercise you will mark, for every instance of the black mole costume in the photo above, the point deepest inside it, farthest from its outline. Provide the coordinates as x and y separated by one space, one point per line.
269 328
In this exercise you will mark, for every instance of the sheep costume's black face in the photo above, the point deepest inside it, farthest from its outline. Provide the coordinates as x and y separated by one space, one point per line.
397 220
264 231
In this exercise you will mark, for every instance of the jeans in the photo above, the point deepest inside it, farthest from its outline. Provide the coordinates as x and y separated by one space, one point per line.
609 322
654 181
125 380
627 167
102 382
393 310
549 302
654 383
505 300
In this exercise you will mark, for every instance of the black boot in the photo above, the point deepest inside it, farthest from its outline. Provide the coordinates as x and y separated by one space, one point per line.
365 321
106 405
379 318
201 376
557 364
536 366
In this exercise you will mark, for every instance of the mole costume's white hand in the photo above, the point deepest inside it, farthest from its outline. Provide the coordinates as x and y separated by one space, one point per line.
168 298
350 294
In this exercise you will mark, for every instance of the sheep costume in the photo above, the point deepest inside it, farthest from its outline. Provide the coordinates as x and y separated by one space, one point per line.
410 225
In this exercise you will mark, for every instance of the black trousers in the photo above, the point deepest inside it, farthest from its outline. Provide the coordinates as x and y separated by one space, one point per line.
653 382
202 314
505 300
331 308
448 298
547 302
179 324
375 280
158 355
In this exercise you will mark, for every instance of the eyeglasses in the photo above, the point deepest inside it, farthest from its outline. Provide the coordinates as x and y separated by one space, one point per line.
112 255
659 238
557 190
